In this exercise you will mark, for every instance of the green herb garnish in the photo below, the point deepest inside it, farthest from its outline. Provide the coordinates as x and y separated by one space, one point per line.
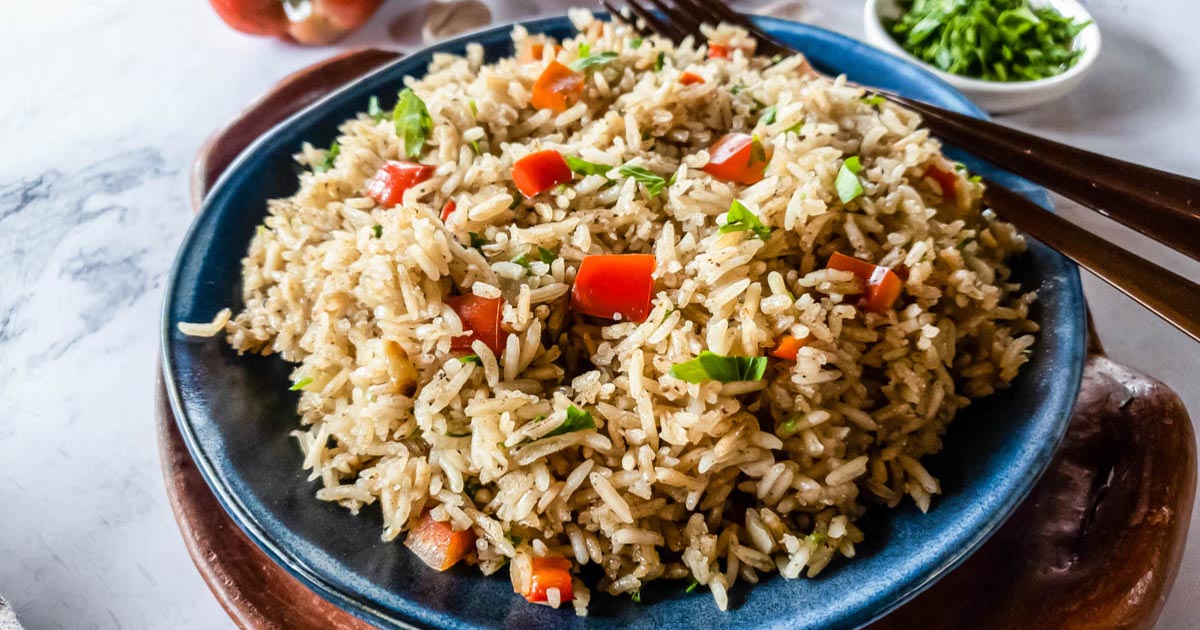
546 255
636 596
768 115
585 49
658 61
458 435
584 167
873 99
471 358
848 185
593 61
740 219
818 537
653 182
635 43
522 260
475 147
477 241
374 110
577 420
474 108
714 367
995 40
737 89
326 163
378 230
300 384
691 587
412 121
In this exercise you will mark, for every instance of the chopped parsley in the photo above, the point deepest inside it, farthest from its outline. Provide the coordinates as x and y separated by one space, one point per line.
768 115
658 61
635 43
691 587
577 420
522 260
477 241
636 596
847 184
546 255
474 108
710 366
326 163
740 219
584 167
873 99
412 121
374 110
471 358
593 61
300 384
653 182
378 230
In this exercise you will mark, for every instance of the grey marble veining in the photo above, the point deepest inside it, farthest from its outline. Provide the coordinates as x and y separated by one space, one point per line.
102 106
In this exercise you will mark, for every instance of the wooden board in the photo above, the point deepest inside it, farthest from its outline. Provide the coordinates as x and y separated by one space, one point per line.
1097 543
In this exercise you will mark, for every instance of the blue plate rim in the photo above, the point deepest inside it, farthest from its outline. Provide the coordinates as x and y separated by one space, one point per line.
349 601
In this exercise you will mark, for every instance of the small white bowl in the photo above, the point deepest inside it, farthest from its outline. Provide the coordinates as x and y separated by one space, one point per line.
996 96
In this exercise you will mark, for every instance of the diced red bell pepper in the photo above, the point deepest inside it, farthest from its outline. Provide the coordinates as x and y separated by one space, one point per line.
448 210
718 51
538 172
614 286
947 181
883 285
481 317
389 183
548 573
688 78
533 51
737 157
788 347
437 544
558 88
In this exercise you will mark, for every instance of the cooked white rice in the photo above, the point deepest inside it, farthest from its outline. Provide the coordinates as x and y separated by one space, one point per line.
650 493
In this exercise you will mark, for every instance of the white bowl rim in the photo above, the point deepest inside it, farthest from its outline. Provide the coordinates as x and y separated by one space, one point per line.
1089 38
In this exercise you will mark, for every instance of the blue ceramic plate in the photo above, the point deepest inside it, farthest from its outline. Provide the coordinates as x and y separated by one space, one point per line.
235 414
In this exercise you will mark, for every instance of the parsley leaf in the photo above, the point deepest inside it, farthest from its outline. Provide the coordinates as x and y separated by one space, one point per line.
300 384
658 61
848 185
374 110
739 219
635 43
378 230
873 99
691 587
471 358
522 260
326 163
636 596
474 108
546 255
585 167
577 420
593 61
477 241
412 121
768 115
714 367
653 182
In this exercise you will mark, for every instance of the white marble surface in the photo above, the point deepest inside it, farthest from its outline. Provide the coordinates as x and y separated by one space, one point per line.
103 105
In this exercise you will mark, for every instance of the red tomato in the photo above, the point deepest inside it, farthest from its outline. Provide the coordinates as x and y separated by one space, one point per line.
557 88
718 51
947 181
734 158
481 317
448 210
548 573
538 172
788 347
883 285
254 17
614 285
688 78
389 183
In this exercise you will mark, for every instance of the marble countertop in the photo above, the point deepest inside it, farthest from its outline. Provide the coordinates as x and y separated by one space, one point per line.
104 105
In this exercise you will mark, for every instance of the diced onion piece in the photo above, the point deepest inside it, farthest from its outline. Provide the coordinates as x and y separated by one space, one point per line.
883 285
614 286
